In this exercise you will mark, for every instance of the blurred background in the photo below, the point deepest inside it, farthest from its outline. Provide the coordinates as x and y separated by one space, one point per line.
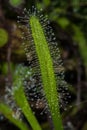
69 21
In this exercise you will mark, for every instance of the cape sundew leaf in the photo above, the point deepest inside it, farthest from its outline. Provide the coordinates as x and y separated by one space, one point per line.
37 40
9 114
21 100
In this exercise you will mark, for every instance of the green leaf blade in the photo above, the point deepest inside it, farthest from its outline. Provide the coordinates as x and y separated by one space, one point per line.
22 102
47 71
9 114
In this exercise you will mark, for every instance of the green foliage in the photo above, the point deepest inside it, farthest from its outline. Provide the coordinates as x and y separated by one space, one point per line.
48 79
46 2
43 4
60 16
4 67
20 97
80 39
3 37
62 13
63 22
47 71
16 2
75 4
9 114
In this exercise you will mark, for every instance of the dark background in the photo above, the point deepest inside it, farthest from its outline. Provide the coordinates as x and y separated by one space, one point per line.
69 21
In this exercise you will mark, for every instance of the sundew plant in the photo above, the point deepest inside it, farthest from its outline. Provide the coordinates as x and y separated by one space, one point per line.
45 73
